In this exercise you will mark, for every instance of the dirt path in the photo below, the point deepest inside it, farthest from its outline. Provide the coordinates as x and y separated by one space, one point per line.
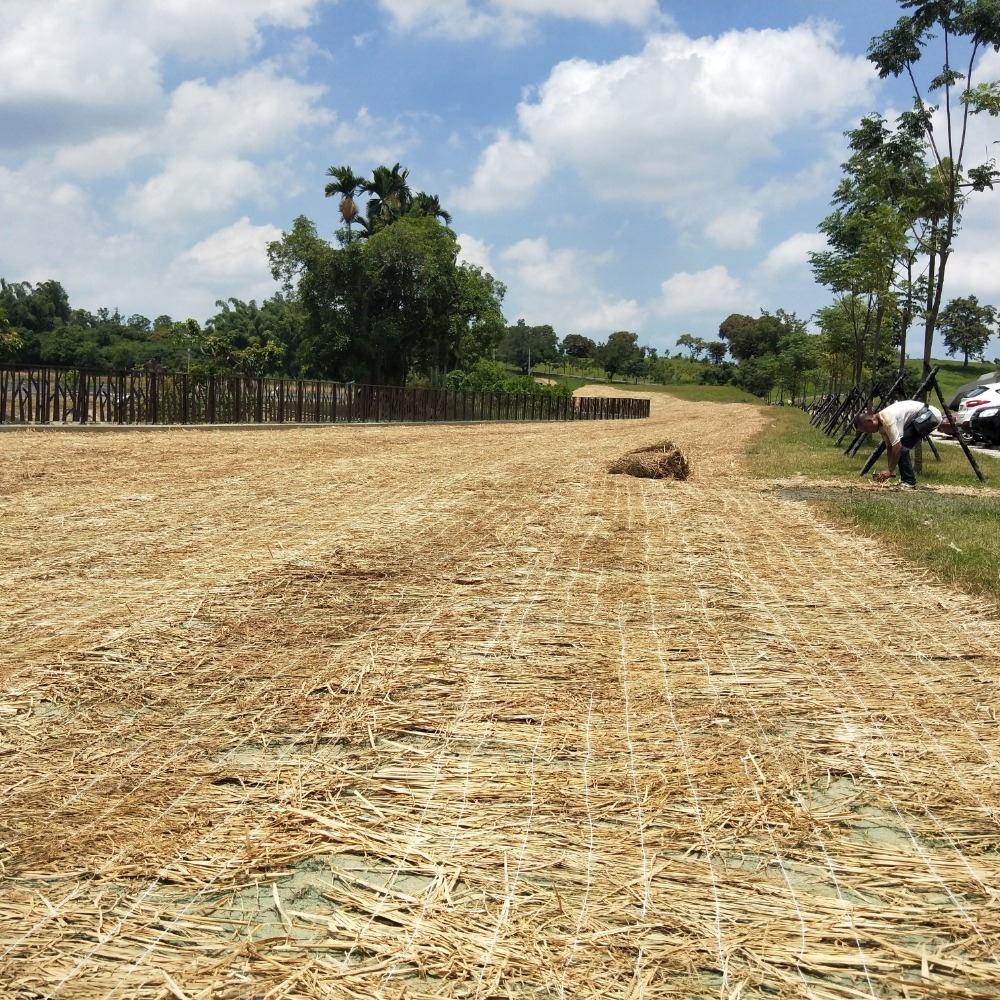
450 712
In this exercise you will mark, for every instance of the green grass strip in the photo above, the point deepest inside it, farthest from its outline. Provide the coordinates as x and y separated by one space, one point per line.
957 537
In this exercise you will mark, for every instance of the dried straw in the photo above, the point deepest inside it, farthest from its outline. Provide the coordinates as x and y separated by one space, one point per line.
449 712
663 460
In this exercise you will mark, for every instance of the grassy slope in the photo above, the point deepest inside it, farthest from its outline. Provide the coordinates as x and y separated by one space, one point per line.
689 391
952 374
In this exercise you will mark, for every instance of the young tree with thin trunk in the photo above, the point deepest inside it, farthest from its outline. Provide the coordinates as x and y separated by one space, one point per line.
964 30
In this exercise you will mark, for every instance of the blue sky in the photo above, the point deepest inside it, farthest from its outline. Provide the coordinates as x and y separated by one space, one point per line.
617 164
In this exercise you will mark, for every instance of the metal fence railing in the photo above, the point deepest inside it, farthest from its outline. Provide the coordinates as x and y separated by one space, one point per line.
42 395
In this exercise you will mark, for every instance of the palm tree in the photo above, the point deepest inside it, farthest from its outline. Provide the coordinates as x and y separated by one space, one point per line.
391 195
347 184
428 204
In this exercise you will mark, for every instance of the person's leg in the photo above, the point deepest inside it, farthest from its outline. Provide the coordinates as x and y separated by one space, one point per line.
911 436
906 468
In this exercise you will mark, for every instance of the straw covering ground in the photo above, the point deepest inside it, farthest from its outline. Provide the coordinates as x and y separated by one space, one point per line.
452 712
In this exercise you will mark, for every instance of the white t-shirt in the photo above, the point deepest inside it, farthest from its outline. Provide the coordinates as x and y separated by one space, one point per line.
894 419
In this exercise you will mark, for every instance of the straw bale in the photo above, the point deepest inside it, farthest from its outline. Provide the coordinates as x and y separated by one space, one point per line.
663 460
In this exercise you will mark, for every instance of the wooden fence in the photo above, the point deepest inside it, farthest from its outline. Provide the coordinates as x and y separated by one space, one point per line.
36 395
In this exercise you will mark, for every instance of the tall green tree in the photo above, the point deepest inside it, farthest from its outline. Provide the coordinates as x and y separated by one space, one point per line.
526 346
619 353
389 193
695 346
345 185
967 328
747 337
429 204
575 345
716 351
395 300
883 207
963 30
477 321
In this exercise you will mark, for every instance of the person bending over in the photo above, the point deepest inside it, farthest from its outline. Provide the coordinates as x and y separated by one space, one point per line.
901 426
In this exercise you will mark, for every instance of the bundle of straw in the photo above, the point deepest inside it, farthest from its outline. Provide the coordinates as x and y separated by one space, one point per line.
663 460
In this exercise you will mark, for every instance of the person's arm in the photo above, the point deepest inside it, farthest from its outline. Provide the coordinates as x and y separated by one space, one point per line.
893 449
892 456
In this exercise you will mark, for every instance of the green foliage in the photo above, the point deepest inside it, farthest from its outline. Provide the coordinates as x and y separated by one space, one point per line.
248 339
664 371
757 376
621 354
964 30
491 376
10 339
967 327
716 351
717 374
34 309
576 346
747 337
695 346
774 351
526 346
394 300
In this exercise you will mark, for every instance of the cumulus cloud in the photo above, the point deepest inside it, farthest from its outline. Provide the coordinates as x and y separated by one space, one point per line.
474 252
713 290
506 177
562 287
232 257
973 266
192 186
252 111
376 139
105 150
735 227
57 80
679 125
510 21
793 252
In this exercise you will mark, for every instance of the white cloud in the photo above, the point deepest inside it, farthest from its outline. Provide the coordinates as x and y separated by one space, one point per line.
713 290
212 28
73 68
507 176
190 187
374 139
206 140
510 21
233 257
562 287
474 252
974 266
678 125
735 227
793 253
253 111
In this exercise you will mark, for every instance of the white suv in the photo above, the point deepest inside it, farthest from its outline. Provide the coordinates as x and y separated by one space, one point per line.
982 395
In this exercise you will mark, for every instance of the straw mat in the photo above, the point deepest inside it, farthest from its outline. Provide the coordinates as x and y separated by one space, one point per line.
451 712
